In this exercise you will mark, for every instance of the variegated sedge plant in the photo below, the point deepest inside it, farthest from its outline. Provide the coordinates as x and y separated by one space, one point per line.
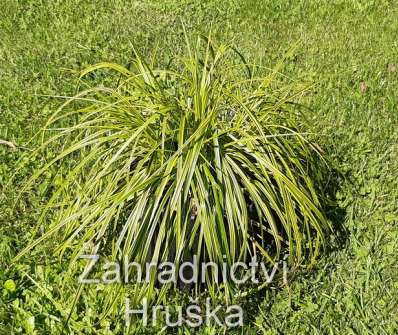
203 159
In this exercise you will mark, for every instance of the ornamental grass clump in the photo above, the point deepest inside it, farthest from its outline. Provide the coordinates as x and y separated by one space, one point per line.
203 158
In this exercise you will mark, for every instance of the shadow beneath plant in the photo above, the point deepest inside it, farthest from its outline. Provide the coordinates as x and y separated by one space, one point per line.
263 300
334 212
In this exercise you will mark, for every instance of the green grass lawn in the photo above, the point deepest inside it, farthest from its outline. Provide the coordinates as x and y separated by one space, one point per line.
345 51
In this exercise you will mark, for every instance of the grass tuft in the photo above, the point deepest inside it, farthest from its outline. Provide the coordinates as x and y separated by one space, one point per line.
200 159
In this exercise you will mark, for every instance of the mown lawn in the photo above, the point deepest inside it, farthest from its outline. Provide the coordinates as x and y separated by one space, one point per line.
347 50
